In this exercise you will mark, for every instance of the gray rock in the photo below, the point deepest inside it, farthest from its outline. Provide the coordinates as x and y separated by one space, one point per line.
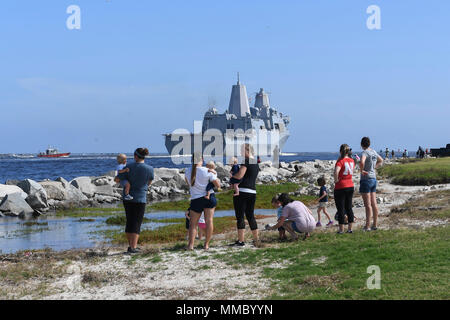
12 182
15 205
85 185
64 182
10 189
104 190
54 189
165 173
158 183
37 196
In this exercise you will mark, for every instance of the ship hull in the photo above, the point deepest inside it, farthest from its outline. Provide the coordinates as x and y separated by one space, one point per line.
58 155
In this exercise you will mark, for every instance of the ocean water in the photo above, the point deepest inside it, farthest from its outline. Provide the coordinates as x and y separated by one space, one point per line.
19 167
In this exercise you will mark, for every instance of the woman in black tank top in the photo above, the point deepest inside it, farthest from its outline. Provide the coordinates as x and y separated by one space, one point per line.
244 203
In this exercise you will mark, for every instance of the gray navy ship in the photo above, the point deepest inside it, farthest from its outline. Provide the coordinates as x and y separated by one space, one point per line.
261 119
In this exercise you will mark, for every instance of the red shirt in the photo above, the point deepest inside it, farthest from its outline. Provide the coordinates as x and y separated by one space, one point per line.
345 175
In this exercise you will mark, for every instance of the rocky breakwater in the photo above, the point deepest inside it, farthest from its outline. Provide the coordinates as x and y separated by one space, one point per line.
27 198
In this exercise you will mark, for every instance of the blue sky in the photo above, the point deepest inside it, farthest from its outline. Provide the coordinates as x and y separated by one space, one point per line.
137 69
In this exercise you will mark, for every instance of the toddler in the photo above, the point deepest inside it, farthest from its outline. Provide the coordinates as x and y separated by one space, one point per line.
121 168
210 186
277 204
323 201
233 181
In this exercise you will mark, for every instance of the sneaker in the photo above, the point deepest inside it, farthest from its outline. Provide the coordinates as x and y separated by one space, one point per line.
366 229
237 244
330 223
374 228
340 232
318 224
131 250
349 231
127 197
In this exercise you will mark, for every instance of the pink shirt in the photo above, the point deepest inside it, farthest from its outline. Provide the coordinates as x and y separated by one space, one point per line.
296 211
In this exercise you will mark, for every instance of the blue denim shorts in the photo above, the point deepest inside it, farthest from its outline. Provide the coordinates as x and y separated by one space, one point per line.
294 226
368 186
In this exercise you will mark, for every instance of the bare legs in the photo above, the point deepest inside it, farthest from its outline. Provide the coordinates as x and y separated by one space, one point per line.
195 216
241 233
324 211
370 204
132 239
209 215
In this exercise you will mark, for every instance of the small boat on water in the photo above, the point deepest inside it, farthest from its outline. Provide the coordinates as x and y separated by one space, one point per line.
53 153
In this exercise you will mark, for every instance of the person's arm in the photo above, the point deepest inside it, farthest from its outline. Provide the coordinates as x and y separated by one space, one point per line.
240 174
336 174
361 165
379 162
323 196
279 224
124 170
152 177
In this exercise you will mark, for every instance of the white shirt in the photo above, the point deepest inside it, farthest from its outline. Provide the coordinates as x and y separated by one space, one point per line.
202 178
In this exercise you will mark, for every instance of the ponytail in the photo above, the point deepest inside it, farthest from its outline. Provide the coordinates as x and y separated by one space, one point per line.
344 150
196 158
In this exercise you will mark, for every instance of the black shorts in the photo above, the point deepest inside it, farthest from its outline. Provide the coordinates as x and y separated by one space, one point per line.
135 215
199 204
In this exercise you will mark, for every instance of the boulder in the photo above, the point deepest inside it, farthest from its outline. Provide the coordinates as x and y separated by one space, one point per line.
85 185
10 189
37 196
104 190
15 205
158 183
165 173
103 181
64 182
180 182
223 172
12 182
55 190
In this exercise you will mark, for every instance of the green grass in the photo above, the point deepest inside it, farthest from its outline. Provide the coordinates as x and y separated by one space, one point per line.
421 172
225 198
224 202
414 265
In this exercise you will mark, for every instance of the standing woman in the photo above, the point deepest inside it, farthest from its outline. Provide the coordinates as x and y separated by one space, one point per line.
244 203
370 160
140 176
198 178
344 188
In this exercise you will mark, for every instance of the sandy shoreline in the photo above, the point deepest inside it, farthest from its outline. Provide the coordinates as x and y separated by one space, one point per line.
169 272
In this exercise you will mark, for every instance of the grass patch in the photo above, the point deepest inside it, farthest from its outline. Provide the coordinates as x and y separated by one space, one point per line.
224 202
414 265
225 199
419 172
121 220
90 212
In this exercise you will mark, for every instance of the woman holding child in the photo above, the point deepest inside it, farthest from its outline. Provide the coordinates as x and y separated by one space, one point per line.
138 175
198 178
244 201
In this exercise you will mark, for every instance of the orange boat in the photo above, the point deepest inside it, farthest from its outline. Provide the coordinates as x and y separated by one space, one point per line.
53 153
